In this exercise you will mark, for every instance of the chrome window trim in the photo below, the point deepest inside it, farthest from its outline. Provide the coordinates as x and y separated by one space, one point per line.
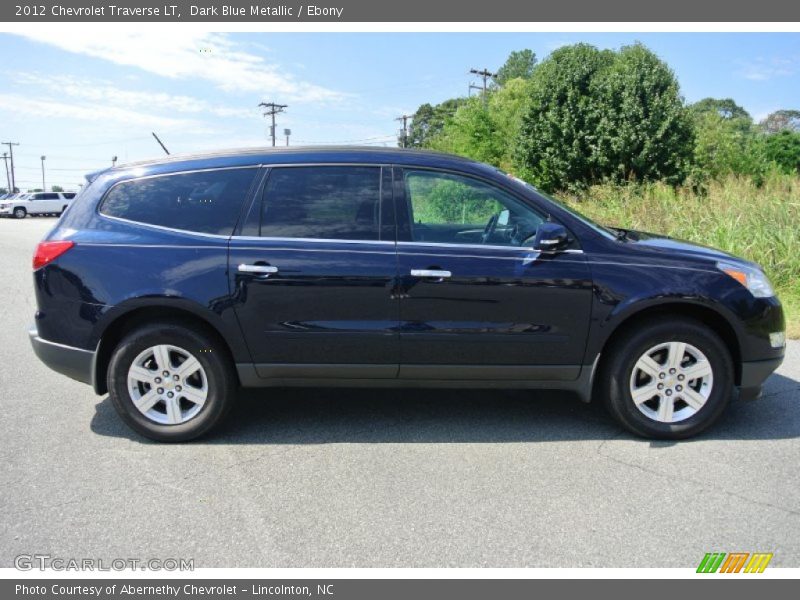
251 238
103 215
164 228
484 247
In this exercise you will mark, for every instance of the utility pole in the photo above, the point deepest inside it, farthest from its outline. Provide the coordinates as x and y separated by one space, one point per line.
486 75
44 187
405 119
272 109
8 178
11 154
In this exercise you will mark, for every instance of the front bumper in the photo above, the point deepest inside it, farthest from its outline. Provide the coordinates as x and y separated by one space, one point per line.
754 373
75 363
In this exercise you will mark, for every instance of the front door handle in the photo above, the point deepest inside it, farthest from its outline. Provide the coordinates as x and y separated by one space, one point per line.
266 270
434 273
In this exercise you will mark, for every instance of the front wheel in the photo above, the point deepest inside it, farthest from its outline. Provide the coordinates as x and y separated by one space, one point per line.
20 213
171 382
668 380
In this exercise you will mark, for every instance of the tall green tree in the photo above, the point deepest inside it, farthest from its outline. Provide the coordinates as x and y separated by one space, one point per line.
644 132
557 143
484 131
725 146
725 108
520 64
428 121
781 120
598 114
783 150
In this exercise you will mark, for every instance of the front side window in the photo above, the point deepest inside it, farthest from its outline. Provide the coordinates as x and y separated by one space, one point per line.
203 201
452 209
339 203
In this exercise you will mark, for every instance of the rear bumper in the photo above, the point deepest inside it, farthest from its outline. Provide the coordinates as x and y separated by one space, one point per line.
754 373
75 363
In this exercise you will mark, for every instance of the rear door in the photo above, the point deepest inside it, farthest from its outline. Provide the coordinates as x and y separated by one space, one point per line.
312 274
47 202
477 301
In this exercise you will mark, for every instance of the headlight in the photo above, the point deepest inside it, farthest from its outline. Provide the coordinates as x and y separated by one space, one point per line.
751 278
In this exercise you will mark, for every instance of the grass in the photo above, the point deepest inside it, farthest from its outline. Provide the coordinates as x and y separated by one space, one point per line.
761 224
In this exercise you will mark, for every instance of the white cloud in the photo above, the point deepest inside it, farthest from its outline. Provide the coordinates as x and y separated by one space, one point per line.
101 92
763 69
223 63
43 109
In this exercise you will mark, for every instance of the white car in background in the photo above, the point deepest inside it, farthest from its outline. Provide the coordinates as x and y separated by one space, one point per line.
36 204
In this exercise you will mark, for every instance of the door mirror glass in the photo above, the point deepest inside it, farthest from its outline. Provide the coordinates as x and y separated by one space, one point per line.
550 237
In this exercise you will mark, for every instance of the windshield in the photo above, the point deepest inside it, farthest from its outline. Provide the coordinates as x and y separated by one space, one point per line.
601 229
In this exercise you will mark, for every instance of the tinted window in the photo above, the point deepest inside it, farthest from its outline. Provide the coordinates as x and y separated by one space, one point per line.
206 201
451 209
48 196
322 202
69 195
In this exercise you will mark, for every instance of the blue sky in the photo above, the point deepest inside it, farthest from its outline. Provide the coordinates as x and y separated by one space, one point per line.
79 99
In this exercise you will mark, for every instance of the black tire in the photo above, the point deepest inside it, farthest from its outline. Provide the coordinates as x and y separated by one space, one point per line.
20 213
615 377
221 380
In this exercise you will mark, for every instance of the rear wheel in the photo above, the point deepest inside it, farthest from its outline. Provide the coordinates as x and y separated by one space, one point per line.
20 213
668 380
171 382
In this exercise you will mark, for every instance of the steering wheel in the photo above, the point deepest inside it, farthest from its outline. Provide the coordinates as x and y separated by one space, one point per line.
488 231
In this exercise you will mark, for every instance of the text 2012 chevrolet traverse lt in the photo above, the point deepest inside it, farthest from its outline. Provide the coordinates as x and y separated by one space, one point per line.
168 284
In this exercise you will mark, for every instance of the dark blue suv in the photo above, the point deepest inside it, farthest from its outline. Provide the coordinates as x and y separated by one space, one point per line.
169 284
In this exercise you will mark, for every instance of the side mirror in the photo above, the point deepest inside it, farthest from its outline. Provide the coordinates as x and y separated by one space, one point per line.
550 237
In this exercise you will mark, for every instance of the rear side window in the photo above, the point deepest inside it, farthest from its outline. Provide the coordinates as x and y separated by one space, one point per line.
204 201
47 196
69 195
341 203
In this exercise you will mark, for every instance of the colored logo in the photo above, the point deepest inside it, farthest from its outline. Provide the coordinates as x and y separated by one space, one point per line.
735 562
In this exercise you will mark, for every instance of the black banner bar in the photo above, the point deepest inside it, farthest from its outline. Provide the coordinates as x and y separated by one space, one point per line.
407 11
398 589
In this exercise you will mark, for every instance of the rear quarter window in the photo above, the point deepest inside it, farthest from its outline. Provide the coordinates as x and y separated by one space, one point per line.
202 201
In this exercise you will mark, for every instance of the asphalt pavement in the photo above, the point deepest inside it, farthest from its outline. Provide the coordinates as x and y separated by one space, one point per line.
382 478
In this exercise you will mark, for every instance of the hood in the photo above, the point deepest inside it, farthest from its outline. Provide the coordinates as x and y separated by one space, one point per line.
668 245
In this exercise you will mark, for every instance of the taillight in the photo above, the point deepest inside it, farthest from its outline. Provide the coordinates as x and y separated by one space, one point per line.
47 252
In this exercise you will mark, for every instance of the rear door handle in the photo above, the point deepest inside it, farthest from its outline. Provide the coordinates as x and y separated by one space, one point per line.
258 269
435 273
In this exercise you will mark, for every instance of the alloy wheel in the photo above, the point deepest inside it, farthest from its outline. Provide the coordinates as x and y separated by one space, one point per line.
167 384
671 382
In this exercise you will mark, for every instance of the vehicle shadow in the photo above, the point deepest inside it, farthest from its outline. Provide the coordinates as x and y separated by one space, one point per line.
331 415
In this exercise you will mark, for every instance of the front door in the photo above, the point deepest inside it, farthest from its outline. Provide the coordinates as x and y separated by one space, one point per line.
312 282
477 302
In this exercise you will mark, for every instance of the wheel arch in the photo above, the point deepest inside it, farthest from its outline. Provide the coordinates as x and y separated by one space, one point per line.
118 326
710 317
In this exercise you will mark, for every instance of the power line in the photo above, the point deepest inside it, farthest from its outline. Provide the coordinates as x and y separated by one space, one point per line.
11 153
272 109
